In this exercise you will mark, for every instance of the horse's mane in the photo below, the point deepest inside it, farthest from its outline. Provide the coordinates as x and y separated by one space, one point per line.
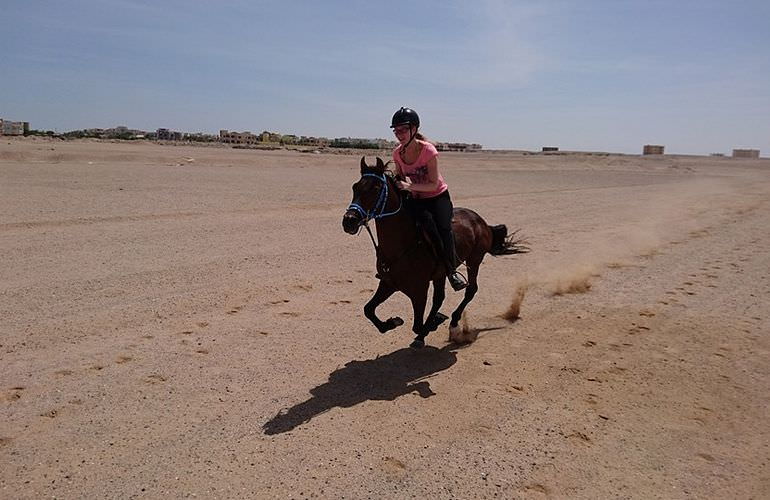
387 172
390 173
391 177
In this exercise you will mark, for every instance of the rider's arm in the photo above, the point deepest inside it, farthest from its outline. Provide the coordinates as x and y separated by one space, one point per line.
399 174
432 184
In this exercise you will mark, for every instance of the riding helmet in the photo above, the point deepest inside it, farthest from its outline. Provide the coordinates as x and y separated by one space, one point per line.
405 116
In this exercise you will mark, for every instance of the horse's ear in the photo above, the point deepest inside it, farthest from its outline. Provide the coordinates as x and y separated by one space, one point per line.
364 166
380 165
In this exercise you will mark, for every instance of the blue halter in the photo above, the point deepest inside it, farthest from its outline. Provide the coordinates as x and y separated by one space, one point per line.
378 210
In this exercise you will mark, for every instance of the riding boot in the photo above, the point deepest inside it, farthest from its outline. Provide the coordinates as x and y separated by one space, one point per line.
456 280
443 241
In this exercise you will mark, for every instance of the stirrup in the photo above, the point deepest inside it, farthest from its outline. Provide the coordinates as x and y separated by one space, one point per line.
457 281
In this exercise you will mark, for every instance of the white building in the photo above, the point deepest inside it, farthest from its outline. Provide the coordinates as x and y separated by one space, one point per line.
8 127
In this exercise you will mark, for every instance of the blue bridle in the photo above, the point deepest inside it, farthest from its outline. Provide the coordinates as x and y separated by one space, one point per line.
378 210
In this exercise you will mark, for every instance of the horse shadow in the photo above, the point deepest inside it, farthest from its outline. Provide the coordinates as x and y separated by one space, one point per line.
383 378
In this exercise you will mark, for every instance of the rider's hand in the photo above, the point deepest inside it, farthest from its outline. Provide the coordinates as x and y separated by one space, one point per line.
405 185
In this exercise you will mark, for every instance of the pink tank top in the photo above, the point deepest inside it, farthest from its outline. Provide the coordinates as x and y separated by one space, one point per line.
417 172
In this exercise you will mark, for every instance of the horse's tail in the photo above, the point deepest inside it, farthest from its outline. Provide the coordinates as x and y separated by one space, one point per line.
506 244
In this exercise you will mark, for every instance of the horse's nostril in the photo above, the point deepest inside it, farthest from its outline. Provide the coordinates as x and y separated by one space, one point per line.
350 223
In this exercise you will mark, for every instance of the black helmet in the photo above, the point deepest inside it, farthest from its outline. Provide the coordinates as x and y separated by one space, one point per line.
405 116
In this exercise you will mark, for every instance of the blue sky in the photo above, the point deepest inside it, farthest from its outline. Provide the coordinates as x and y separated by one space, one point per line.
595 75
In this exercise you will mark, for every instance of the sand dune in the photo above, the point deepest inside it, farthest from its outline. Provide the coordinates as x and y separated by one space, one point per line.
182 321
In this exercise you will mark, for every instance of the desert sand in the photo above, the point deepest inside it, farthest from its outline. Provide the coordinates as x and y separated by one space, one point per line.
181 321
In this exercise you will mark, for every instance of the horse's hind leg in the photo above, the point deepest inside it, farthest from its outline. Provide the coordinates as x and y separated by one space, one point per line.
384 291
470 292
435 318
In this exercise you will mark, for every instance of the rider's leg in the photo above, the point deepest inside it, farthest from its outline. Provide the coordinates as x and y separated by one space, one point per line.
426 221
442 209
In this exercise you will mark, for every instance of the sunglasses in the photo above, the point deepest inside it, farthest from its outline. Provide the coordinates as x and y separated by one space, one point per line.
401 129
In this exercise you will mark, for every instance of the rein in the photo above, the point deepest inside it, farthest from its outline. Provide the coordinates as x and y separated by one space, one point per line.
378 210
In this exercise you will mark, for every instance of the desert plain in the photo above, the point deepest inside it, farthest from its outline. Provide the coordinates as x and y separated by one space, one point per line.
180 321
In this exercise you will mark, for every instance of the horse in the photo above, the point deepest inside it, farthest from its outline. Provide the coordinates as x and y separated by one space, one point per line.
406 260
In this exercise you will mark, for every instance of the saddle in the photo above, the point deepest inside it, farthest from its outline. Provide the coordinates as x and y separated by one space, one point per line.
427 238
430 238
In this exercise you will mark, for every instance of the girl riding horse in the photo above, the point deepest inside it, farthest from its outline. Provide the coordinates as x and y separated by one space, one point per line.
404 263
418 173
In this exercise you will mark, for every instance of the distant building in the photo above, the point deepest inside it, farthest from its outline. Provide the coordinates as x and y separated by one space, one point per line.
313 141
8 127
229 137
550 149
122 132
746 153
267 136
457 146
361 143
199 137
652 149
164 134
385 144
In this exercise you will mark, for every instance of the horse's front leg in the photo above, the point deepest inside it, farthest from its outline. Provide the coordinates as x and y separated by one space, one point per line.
419 298
384 290
435 318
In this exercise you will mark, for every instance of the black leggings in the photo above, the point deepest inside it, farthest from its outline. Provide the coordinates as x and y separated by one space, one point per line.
435 215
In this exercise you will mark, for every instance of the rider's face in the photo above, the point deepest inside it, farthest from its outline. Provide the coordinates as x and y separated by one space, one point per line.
402 132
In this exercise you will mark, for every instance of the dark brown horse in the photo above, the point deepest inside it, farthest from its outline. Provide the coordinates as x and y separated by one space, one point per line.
406 261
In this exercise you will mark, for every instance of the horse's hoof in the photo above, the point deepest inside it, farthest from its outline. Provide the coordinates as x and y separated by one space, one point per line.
390 324
455 334
435 322
417 344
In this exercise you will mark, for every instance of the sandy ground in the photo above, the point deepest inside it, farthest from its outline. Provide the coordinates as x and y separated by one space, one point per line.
187 321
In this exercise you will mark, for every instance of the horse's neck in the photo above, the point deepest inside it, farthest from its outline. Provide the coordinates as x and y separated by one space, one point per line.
396 233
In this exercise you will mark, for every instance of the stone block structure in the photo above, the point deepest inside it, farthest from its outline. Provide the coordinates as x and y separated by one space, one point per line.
746 153
652 149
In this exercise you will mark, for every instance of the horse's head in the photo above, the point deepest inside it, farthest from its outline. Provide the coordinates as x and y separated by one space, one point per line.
369 196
